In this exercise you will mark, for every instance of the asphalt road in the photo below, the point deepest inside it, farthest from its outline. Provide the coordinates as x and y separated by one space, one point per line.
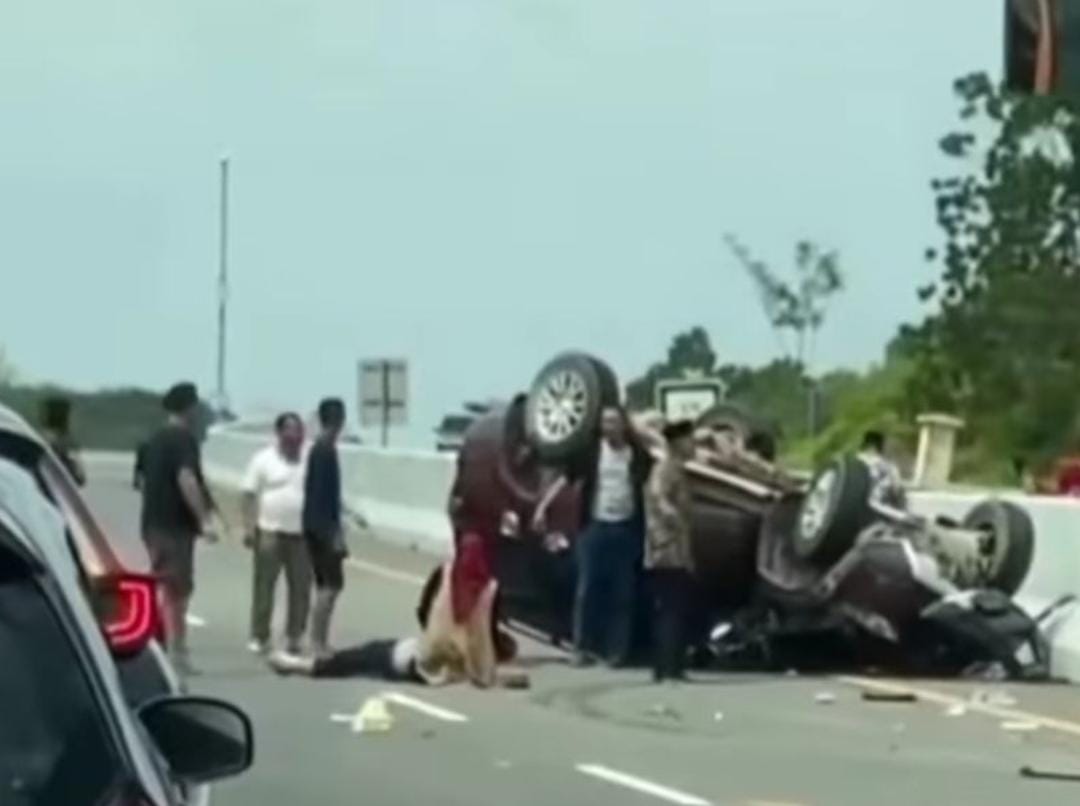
597 737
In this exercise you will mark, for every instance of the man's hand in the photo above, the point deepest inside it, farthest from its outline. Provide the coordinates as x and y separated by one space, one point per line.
250 538
556 542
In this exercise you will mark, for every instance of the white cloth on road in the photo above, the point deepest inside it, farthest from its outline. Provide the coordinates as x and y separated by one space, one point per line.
278 485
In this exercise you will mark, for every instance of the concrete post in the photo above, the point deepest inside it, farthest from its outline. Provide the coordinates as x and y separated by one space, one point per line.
937 443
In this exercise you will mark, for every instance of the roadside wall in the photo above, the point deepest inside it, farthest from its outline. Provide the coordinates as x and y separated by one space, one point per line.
403 495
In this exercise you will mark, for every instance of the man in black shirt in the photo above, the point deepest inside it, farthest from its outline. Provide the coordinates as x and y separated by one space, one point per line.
176 509
323 529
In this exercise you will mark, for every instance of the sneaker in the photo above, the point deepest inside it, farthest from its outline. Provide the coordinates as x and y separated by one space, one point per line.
257 647
286 663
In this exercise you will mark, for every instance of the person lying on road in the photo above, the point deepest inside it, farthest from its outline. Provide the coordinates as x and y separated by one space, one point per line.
458 642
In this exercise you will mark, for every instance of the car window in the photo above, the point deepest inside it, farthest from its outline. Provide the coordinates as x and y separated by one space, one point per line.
55 747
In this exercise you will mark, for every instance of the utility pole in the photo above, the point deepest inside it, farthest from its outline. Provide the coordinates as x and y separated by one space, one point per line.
221 394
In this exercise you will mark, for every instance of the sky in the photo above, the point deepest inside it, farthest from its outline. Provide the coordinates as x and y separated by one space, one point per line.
472 185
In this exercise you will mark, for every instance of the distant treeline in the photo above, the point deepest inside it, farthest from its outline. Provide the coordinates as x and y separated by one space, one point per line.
112 419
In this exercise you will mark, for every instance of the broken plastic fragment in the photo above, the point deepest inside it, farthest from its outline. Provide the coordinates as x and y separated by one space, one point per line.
373 717
662 710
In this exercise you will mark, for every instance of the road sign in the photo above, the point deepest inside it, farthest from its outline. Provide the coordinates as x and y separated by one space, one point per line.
384 394
688 399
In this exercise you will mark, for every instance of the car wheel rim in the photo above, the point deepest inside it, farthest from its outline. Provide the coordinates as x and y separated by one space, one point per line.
561 405
816 506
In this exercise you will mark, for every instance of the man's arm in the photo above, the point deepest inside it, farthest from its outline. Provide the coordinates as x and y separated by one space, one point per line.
192 492
664 488
189 483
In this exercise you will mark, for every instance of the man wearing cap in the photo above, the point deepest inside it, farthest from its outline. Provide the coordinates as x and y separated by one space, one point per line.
668 556
176 509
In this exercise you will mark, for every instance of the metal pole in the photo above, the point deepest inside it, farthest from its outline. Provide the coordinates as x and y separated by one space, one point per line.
386 404
223 285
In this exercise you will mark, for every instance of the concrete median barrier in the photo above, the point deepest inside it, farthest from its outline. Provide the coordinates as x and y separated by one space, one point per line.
401 494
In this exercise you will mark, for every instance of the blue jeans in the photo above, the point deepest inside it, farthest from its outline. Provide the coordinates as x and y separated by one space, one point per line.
608 558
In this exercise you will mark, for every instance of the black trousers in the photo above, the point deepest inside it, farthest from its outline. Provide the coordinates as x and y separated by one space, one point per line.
373 659
671 596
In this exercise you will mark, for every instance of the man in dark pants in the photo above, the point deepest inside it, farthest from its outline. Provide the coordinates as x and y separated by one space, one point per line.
609 543
322 522
668 555
176 509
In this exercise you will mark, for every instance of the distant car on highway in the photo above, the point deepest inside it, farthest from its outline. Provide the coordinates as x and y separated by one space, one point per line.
69 734
450 435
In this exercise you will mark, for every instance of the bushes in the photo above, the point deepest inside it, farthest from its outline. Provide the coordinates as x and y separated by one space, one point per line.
113 419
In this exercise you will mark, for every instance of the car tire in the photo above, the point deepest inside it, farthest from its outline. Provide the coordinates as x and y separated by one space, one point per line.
562 413
1014 542
833 512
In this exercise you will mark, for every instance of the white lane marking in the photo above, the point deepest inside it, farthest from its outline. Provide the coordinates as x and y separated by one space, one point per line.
434 711
930 695
194 621
641 785
346 719
384 572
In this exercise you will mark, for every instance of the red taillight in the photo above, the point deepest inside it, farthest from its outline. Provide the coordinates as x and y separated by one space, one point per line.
132 618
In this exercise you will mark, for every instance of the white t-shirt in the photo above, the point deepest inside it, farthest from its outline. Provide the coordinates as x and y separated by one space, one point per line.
278 484
614 501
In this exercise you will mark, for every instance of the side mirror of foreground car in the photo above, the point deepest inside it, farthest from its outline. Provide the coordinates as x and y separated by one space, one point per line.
201 739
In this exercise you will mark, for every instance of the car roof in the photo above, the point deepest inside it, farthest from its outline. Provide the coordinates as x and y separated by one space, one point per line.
100 553
38 528
13 423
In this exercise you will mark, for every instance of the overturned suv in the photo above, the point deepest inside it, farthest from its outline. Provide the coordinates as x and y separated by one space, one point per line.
815 573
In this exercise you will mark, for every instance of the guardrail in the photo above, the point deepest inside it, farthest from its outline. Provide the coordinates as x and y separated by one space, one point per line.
403 496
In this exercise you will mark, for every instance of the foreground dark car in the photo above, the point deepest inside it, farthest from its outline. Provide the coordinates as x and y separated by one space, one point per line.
69 735
790 572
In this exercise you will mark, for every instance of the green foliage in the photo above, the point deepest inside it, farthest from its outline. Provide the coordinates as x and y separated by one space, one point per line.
113 419
690 353
775 393
1002 348
856 404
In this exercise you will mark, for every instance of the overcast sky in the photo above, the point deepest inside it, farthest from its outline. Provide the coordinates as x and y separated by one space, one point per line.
471 184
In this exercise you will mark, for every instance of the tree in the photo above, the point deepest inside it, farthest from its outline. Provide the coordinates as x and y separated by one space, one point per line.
798 306
1002 344
689 353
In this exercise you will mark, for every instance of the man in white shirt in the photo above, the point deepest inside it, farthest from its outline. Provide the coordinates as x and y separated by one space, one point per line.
612 537
273 503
